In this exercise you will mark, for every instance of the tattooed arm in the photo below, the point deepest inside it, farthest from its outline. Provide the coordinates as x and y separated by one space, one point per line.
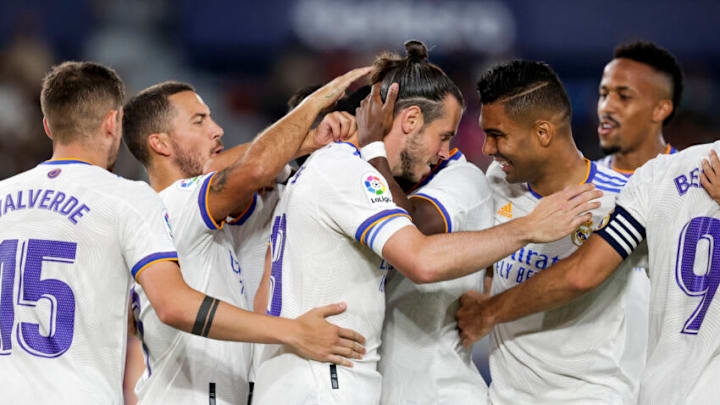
232 188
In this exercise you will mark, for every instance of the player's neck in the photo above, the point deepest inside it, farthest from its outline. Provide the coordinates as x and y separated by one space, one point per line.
561 171
163 174
631 160
81 152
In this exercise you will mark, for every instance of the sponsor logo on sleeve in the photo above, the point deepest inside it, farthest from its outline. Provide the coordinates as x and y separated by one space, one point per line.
166 219
375 189
187 183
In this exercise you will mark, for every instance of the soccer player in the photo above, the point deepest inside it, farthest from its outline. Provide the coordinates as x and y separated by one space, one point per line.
585 352
170 130
639 94
664 207
72 234
422 358
335 223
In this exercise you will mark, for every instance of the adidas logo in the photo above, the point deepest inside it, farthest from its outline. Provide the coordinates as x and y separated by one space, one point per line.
506 210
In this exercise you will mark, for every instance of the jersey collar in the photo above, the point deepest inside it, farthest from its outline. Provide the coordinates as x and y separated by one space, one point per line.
589 176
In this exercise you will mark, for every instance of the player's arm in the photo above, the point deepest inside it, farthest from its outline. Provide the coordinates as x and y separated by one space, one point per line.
310 335
231 189
710 177
375 119
427 259
564 281
132 327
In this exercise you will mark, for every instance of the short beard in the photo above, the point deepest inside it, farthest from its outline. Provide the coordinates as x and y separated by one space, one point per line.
610 150
188 163
410 156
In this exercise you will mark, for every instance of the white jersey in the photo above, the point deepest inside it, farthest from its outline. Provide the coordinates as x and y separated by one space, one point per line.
607 162
251 232
423 360
586 352
182 368
665 203
328 233
70 241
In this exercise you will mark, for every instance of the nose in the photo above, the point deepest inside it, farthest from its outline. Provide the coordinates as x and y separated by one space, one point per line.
216 130
607 105
444 152
489 147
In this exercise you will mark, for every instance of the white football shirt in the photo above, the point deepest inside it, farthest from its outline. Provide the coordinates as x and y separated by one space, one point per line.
72 235
328 233
422 358
584 352
665 204
182 368
251 232
607 161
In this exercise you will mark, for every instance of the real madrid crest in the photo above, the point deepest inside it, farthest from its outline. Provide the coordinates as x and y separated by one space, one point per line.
582 233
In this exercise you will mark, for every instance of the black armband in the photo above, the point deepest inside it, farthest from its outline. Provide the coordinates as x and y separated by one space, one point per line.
205 316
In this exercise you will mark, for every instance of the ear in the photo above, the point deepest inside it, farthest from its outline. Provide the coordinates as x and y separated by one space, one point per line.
160 143
47 129
111 123
411 119
544 132
662 110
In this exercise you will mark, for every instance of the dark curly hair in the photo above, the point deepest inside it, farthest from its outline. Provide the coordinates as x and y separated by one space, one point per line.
659 59
524 86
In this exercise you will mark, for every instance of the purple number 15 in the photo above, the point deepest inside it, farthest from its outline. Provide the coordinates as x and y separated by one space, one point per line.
32 288
702 283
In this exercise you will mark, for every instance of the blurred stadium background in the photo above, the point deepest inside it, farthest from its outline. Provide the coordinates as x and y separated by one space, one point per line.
247 57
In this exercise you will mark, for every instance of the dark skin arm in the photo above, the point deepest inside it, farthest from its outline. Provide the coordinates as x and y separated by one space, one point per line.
375 118
710 177
566 280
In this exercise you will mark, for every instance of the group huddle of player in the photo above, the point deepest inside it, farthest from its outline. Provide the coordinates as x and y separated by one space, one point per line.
364 275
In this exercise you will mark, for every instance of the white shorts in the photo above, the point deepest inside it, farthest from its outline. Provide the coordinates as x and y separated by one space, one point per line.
289 379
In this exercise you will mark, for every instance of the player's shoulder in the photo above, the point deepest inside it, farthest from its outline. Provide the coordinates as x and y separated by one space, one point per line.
460 176
500 187
671 165
336 163
606 179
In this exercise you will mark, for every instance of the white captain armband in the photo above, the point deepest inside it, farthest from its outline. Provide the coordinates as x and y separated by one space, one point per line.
373 150
623 232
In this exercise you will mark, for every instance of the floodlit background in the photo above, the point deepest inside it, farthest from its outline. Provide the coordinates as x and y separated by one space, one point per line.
246 58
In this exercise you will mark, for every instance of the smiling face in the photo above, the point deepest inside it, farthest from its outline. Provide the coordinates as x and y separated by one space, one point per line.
429 143
511 144
629 94
194 136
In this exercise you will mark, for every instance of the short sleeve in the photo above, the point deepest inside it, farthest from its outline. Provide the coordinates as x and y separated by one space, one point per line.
461 195
256 217
187 202
145 232
357 200
625 229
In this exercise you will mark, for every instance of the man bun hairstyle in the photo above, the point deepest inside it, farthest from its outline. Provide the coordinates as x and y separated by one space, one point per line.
76 97
421 83
149 112
659 59
525 87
